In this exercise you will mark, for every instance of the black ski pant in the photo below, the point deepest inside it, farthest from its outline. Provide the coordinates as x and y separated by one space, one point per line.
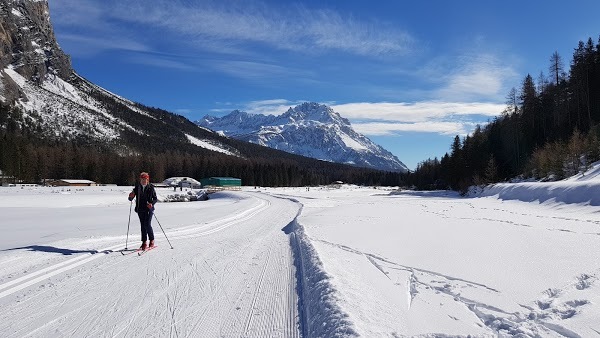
146 224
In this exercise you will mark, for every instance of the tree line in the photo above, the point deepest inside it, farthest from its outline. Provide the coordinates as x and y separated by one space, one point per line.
549 129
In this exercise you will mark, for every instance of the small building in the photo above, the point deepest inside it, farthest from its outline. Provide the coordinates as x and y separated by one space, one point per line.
221 182
71 183
7 181
181 182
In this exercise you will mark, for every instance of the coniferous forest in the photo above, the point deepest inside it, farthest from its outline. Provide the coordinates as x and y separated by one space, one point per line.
549 130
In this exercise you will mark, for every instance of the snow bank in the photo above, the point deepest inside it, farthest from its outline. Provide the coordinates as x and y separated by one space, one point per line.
321 313
579 189
557 192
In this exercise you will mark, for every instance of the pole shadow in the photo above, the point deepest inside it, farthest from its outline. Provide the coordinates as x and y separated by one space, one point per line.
52 249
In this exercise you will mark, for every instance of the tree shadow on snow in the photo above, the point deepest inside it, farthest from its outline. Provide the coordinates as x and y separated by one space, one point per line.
51 249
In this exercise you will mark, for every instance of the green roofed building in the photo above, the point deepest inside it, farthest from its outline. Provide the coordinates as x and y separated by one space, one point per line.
221 182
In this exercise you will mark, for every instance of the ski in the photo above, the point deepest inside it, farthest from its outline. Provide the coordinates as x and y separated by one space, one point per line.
126 252
141 252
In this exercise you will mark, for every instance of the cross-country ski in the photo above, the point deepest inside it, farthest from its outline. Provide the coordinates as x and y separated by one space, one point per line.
141 252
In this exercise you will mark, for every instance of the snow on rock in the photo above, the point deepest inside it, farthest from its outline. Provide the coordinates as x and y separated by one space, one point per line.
65 114
208 145
19 80
16 12
2 98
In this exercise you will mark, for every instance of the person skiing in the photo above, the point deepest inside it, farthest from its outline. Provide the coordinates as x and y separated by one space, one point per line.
145 196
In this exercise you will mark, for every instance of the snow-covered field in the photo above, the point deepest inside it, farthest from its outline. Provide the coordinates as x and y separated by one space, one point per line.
318 262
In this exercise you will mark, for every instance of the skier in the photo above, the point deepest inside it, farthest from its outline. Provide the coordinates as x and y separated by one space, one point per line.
145 196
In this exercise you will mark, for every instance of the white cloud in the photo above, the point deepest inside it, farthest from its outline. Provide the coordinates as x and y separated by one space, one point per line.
477 76
446 118
270 107
391 128
404 112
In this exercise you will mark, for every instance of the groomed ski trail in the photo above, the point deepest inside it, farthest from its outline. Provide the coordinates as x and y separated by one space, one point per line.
230 276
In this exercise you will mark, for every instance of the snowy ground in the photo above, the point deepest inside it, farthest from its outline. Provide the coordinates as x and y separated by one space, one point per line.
518 259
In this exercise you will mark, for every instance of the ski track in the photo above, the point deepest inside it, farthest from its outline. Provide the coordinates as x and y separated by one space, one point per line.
232 277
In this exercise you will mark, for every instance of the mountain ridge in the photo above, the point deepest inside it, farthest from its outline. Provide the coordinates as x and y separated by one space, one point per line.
309 129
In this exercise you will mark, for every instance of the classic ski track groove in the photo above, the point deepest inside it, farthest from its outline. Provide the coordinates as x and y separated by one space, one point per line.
256 293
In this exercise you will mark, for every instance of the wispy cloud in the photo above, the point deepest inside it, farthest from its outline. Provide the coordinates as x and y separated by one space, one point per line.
87 45
254 70
87 30
331 30
234 25
78 13
157 61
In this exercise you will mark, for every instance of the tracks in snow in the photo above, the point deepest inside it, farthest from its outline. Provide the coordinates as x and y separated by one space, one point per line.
35 277
234 276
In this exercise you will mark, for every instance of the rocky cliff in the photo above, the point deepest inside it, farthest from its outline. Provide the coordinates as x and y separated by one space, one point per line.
28 44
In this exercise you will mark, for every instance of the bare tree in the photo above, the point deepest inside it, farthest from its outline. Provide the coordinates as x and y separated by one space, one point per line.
557 72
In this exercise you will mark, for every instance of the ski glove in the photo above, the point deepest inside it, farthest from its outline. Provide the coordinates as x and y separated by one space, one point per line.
131 196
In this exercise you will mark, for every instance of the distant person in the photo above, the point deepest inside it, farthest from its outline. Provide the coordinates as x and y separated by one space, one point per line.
145 196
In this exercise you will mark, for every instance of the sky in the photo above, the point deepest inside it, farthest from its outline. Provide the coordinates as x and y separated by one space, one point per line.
409 75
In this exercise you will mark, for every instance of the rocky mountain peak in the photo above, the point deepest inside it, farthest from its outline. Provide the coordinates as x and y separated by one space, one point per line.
309 129
28 43
314 112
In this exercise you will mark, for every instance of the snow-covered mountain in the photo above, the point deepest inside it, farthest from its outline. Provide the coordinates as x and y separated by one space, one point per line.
54 102
309 129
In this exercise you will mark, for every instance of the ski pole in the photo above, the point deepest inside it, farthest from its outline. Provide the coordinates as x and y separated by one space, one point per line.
127 240
163 230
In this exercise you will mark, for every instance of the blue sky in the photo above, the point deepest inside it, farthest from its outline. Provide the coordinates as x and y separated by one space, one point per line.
410 75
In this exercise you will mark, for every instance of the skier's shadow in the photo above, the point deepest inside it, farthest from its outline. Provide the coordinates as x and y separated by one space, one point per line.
51 249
